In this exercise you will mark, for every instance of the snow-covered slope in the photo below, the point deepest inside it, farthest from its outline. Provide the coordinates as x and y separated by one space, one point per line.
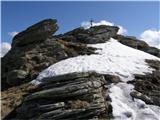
117 59
112 58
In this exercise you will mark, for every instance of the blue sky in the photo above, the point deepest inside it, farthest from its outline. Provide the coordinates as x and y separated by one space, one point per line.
136 17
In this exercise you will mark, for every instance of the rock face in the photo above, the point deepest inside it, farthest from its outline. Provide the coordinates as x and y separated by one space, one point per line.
72 96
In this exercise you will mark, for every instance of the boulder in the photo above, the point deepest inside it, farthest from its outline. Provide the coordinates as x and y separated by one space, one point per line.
36 33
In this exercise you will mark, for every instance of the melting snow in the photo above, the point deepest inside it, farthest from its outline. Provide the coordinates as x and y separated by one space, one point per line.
116 59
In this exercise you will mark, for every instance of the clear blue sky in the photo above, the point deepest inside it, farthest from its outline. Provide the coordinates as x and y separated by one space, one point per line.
136 17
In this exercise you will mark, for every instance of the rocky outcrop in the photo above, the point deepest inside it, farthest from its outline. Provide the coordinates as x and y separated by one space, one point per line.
71 96
34 50
36 33
97 34
138 44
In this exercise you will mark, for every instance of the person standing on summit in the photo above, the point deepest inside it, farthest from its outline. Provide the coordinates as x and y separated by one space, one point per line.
91 21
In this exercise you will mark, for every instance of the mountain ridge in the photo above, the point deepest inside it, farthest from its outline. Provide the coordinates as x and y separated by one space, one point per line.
76 94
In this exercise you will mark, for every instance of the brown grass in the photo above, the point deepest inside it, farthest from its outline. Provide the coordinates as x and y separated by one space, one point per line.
78 104
13 96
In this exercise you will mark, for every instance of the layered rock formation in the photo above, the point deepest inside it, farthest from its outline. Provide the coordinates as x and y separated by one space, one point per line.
70 96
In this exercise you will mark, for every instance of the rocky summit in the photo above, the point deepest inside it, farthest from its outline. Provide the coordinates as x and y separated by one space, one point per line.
76 95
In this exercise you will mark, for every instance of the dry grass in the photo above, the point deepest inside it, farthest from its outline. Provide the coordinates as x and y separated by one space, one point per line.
78 104
13 96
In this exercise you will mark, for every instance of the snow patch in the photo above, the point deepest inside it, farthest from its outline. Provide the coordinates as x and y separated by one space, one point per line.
127 108
112 58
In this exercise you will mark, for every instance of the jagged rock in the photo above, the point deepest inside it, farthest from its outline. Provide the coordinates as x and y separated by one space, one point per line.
77 97
36 33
